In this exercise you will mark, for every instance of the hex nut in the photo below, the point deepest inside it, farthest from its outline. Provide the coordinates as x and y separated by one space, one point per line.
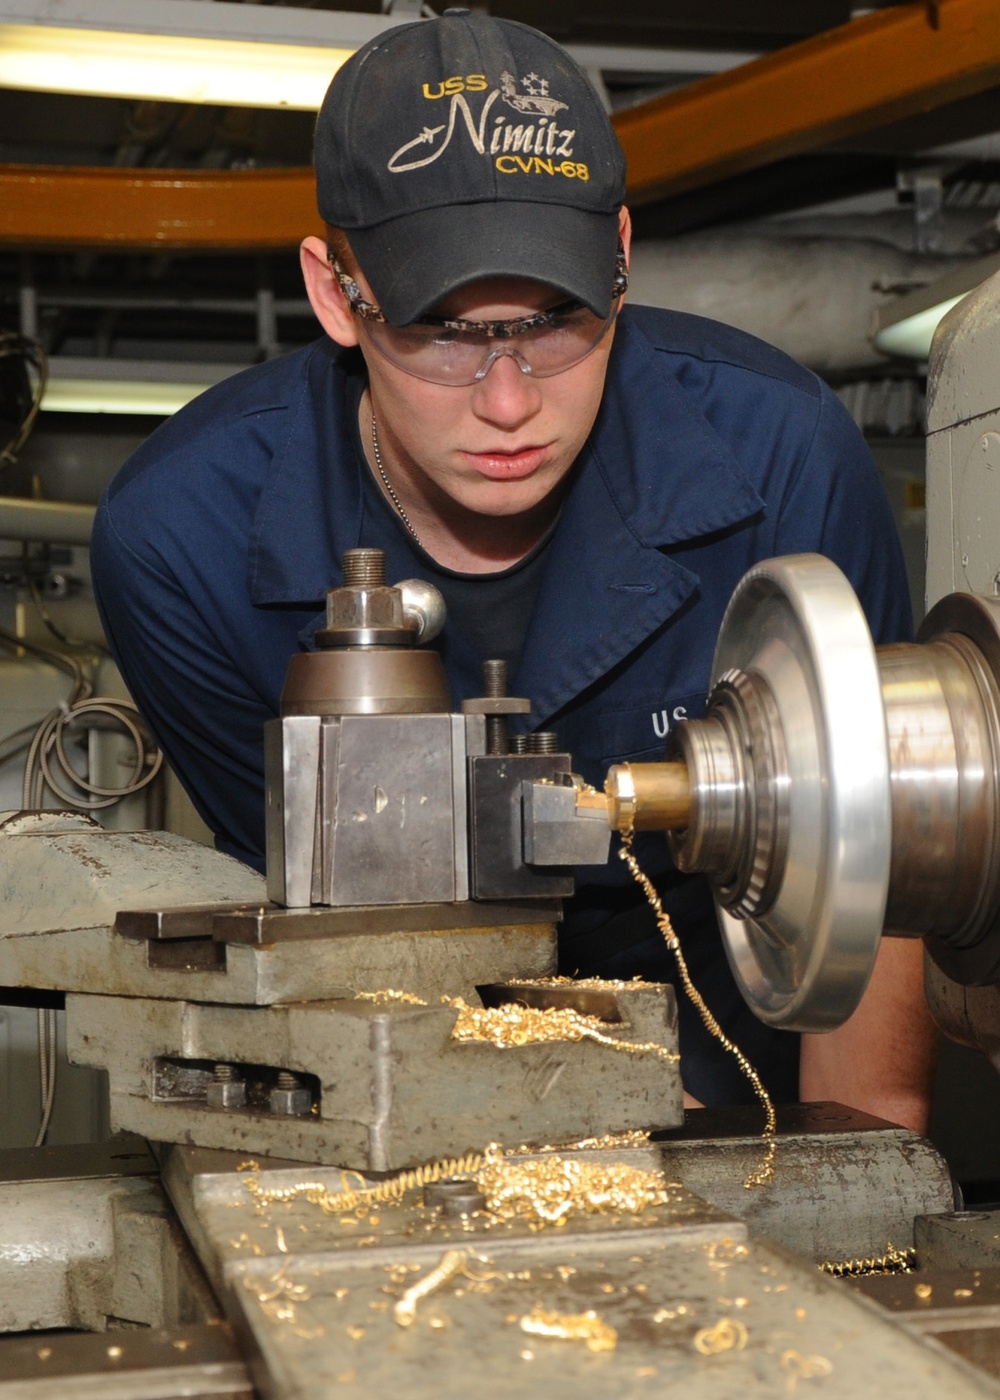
290 1103
230 1093
454 1199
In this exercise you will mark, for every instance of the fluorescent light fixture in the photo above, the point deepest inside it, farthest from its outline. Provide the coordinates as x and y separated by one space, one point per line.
151 388
117 396
102 63
179 50
248 55
906 326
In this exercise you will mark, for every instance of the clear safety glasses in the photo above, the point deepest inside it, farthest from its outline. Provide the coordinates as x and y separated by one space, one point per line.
444 351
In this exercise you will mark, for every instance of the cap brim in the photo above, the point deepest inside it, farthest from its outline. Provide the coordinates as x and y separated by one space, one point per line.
412 262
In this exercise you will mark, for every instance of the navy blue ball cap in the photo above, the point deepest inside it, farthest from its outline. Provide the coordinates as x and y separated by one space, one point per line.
465 147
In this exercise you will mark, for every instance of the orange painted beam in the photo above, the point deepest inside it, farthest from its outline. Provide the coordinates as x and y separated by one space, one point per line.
115 208
880 68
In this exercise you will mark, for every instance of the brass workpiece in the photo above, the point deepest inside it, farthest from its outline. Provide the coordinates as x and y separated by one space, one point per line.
648 796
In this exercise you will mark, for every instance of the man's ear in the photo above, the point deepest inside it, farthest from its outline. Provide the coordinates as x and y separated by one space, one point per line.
625 230
324 293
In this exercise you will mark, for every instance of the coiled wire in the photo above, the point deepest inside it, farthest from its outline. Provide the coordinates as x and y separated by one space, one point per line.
48 767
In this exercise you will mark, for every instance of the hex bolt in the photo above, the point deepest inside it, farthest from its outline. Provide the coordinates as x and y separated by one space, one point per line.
226 1089
364 568
542 741
289 1098
497 727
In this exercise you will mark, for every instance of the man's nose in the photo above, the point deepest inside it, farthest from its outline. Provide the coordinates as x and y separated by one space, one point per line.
506 393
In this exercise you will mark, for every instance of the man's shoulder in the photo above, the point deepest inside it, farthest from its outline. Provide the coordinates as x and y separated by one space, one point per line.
696 348
238 418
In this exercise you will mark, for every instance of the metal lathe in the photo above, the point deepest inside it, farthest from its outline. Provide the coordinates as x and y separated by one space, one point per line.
333 1174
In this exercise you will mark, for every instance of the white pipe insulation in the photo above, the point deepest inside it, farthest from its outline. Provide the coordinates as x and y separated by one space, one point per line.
812 297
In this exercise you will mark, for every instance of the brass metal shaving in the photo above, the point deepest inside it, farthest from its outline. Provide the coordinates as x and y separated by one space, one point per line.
805 1368
548 1190
574 1327
763 1173
606 1142
511 1024
386 997
351 1198
453 1262
278 1300
727 1334
541 1191
893 1261
595 984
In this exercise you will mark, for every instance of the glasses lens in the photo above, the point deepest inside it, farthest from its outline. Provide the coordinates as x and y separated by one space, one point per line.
431 352
445 356
562 342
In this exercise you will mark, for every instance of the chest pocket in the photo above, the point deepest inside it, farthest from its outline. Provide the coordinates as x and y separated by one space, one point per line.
640 735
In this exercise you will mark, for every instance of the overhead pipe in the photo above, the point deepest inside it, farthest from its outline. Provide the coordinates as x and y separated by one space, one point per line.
814 298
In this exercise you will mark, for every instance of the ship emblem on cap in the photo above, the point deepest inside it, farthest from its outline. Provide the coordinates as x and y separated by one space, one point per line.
535 99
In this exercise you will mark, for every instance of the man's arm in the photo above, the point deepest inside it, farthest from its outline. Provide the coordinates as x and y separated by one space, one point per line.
882 1059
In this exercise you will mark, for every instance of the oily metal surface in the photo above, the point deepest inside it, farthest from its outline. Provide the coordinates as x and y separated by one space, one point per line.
394 1087
54 879
944 798
392 813
695 1307
845 1184
92 1252
498 868
312 1296
122 1155
270 923
365 680
968 1015
961 1239
233 1227
933 1298
431 961
960 1309
954 789
795 625
199 1363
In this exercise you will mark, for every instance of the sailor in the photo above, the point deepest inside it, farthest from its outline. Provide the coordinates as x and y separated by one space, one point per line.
585 481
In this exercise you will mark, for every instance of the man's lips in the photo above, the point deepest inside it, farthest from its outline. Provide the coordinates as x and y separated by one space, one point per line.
508 466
